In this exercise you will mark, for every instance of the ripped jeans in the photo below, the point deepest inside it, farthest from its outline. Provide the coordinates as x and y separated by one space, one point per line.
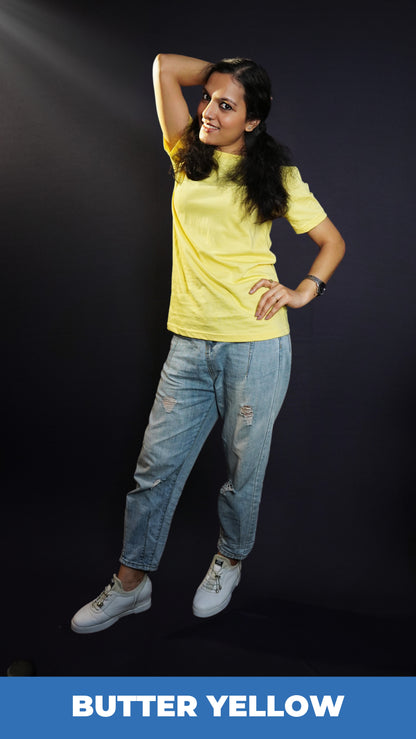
245 383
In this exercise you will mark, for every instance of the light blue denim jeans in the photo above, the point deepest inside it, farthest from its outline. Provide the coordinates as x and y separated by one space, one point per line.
245 384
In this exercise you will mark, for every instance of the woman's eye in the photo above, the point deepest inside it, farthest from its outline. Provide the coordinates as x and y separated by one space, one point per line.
225 106
205 96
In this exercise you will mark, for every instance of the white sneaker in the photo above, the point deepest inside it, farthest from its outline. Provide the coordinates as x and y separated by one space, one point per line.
216 589
112 604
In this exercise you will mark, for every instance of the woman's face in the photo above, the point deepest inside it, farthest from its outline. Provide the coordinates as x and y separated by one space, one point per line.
222 114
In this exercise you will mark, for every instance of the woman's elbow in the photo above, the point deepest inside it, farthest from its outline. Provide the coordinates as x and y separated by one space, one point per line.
161 63
157 63
341 248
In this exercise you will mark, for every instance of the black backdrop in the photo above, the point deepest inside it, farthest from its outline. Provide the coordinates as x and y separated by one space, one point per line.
85 234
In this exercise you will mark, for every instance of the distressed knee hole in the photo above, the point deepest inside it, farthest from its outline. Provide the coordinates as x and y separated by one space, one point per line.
169 403
227 488
246 412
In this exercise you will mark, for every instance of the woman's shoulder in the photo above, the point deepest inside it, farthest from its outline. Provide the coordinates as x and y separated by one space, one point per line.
293 182
291 174
172 150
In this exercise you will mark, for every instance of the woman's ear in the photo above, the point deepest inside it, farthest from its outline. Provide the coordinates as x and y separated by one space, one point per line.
251 125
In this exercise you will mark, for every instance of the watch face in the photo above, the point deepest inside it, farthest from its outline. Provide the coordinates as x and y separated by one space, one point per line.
320 286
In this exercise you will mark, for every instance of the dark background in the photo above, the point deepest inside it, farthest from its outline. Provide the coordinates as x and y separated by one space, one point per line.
85 239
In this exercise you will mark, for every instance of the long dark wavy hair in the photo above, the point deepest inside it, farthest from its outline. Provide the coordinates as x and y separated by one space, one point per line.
259 171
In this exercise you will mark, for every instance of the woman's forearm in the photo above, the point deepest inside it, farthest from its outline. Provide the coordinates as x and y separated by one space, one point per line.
172 72
331 251
186 70
323 267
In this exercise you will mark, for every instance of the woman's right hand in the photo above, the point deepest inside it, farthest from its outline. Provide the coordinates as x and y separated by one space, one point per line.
171 72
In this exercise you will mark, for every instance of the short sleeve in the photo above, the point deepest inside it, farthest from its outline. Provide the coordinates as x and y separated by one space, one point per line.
304 212
172 151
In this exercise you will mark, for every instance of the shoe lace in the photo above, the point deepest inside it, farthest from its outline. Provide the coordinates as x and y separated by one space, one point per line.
100 599
213 579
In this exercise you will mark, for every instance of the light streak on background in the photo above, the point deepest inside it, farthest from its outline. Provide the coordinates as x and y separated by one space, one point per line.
76 167
76 110
53 42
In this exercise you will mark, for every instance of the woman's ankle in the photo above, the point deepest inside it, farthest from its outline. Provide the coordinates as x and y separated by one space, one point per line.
233 562
129 577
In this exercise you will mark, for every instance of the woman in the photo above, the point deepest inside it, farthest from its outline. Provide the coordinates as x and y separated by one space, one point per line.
230 352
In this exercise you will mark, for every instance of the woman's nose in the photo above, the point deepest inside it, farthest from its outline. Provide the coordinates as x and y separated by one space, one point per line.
207 111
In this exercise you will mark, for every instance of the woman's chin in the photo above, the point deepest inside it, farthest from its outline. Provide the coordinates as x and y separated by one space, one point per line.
204 136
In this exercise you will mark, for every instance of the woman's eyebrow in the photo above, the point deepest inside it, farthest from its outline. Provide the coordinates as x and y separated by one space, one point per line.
228 100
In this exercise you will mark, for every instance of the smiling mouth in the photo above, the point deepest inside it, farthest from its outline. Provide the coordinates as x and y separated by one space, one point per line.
208 127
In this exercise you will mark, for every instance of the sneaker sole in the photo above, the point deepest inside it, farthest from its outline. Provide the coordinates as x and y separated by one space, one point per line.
216 609
106 624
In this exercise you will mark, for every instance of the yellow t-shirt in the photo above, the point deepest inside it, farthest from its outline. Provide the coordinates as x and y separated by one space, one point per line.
219 252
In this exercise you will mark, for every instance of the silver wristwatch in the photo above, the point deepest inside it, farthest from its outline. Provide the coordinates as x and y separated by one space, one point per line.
320 286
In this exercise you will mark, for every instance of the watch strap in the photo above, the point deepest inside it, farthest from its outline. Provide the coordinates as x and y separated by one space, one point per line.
320 285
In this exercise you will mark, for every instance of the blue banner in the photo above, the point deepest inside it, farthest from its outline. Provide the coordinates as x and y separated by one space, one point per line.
199 707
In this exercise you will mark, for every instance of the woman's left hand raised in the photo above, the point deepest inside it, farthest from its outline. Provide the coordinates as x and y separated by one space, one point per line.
277 295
